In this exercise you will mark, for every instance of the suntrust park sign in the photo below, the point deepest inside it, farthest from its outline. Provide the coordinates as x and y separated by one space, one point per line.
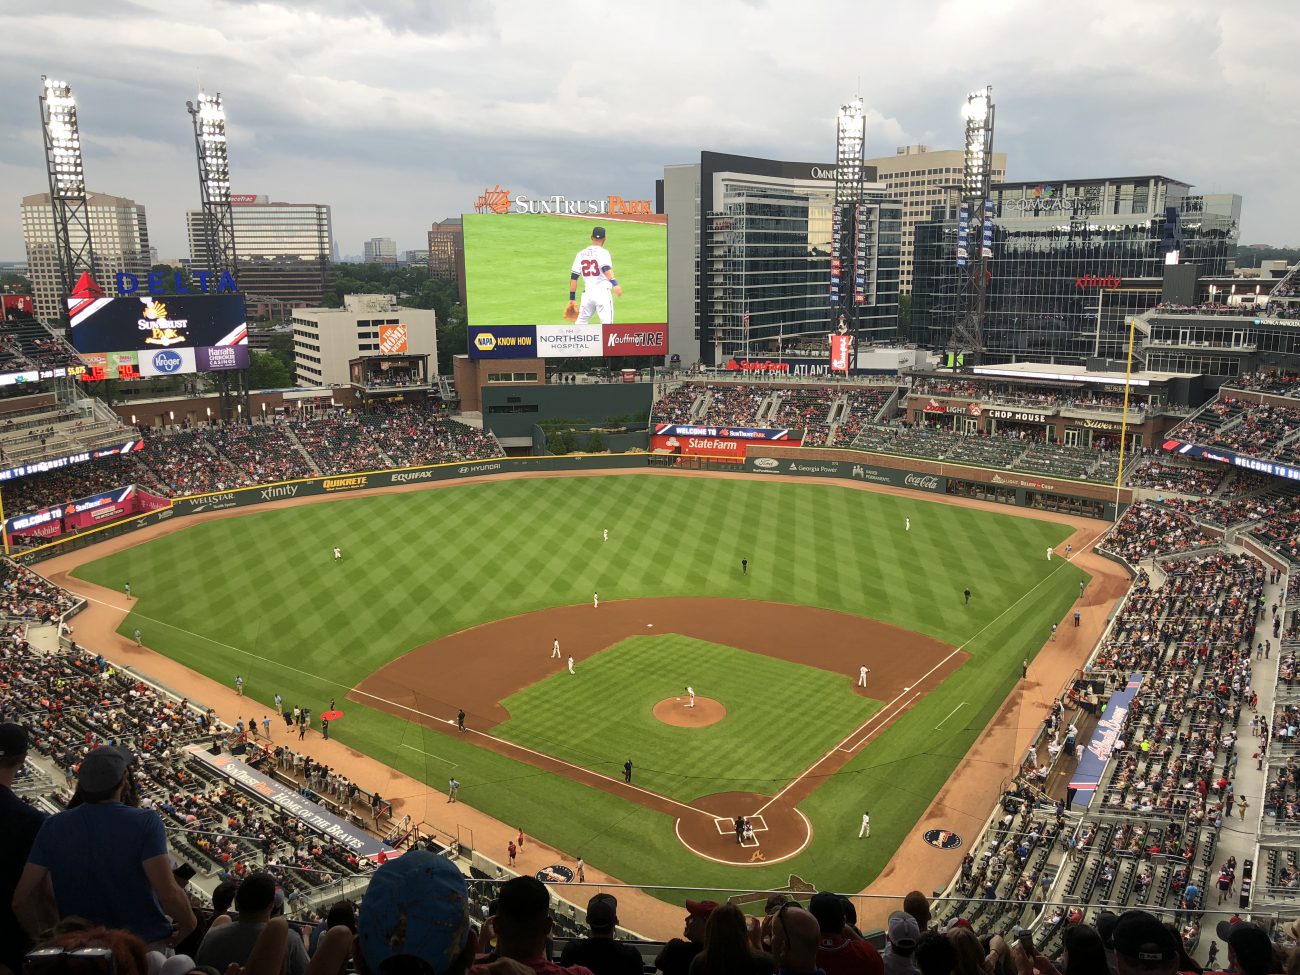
497 200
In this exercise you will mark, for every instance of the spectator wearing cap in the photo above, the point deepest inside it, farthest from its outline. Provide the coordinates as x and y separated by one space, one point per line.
19 824
600 952
1250 950
677 954
231 943
727 950
795 935
839 952
104 860
414 918
523 925
1144 946
901 935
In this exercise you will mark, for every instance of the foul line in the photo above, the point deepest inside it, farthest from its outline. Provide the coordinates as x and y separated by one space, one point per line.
950 714
916 683
444 761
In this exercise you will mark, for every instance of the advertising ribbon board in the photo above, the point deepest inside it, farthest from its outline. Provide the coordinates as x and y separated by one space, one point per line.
733 433
502 342
313 815
1093 759
1220 456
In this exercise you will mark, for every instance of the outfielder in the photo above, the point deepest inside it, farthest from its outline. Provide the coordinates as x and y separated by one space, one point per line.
338 554
599 286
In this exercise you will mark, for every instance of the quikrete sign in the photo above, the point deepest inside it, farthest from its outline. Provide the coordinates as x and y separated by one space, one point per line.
158 283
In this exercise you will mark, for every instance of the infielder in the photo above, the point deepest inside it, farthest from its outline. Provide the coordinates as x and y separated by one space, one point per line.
571 664
555 649
862 675
691 693
1049 553
595 600
599 286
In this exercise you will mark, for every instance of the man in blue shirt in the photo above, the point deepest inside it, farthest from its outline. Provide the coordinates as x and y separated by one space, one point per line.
104 860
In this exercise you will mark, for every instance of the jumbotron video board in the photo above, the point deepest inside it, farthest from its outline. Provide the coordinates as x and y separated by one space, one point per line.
137 336
521 266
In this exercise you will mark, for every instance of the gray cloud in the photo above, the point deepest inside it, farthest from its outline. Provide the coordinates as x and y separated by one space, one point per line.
397 112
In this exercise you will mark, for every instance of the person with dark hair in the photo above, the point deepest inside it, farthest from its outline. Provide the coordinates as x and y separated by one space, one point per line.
600 952
19 824
523 926
727 949
105 860
1083 951
934 954
677 954
232 942
1144 946
341 913
839 951
1250 950
915 904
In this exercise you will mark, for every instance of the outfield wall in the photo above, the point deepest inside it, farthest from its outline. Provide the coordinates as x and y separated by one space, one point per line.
1069 497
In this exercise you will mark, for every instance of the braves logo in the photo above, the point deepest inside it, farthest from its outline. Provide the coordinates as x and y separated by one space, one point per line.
944 839
495 200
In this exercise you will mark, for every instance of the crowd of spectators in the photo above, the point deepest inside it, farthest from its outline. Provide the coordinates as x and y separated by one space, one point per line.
1025 394
676 405
24 595
221 457
733 404
1177 478
1147 531
862 406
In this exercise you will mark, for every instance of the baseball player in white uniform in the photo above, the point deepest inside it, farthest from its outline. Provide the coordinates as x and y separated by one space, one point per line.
338 553
691 691
599 286
595 600
555 649
570 665
862 675
605 533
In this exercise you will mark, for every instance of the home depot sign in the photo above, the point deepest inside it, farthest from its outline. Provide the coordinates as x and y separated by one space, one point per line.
392 339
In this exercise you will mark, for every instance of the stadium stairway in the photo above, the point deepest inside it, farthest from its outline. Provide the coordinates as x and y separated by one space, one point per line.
288 430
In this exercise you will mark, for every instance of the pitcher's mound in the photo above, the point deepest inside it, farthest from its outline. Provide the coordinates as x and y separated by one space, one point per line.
677 712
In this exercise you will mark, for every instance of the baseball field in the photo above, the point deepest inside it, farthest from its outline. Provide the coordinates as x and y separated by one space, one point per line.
452 598
517 267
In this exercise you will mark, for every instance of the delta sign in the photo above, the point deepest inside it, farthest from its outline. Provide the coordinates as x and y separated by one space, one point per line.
158 283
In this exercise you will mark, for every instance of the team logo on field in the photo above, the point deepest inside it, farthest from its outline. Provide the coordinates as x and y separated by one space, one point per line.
556 873
943 839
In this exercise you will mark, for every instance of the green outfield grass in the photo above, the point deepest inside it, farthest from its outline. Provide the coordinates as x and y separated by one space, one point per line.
517 268
259 595
738 754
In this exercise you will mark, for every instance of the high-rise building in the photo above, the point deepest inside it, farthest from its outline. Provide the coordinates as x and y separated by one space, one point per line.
749 257
118 231
380 250
447 253
922 178
328 341
282 249
1073 261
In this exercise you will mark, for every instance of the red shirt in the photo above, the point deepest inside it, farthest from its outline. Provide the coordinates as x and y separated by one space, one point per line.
838 955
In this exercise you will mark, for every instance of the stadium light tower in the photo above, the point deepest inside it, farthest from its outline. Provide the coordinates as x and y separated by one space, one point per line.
975 222
847 273
68 204
209 116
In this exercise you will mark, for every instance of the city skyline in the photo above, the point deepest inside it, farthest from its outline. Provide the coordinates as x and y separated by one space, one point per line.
473 95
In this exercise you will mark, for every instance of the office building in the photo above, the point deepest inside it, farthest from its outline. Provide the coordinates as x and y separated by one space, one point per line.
447 253
749 262
283 249
380 250
415 258
119 237
922 178
1073 260
326 341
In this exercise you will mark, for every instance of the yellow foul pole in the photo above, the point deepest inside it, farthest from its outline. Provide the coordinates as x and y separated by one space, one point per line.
1123 423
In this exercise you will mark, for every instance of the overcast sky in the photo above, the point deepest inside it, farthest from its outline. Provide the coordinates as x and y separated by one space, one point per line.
397 113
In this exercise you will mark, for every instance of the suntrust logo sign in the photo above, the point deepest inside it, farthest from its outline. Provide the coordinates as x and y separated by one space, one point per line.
497 200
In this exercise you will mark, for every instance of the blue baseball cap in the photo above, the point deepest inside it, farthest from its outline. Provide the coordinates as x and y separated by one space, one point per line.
598 233
416 906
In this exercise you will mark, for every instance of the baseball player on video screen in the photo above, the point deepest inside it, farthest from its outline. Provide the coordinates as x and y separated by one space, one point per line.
599 286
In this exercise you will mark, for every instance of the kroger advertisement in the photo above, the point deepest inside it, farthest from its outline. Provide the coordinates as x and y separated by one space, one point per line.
168 334
520 267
